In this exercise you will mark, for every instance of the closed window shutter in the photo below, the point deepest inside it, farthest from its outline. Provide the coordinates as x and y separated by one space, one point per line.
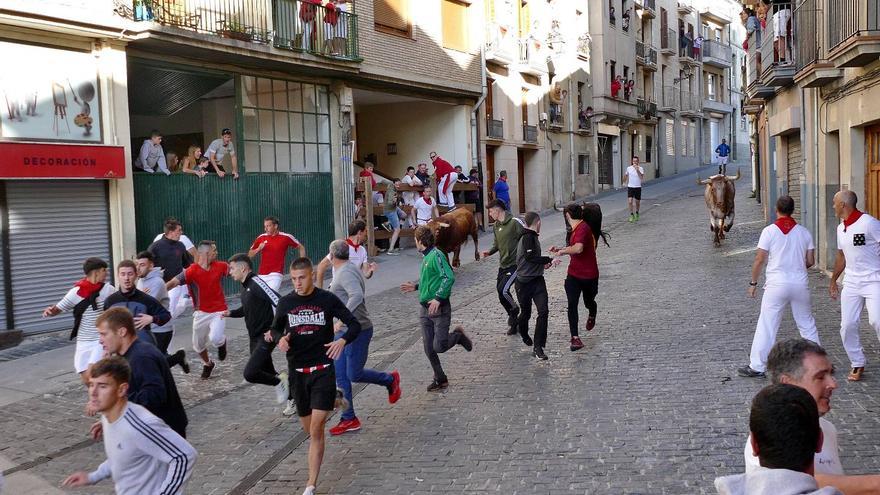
454 19
684 137
391 14
670 138
490 10
524 20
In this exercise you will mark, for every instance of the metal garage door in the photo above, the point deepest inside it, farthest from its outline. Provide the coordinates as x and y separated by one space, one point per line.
53 227
2 280
795 169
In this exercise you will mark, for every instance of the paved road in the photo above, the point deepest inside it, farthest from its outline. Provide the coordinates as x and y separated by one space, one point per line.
651 405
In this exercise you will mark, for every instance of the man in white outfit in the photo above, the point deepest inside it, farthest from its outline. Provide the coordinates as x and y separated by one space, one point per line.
788 250
858 256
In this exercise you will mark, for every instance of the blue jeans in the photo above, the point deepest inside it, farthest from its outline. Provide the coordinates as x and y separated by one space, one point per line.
350 369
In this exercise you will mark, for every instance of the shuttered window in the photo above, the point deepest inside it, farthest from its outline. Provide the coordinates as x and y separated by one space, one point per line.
490 10
670 138
524 20
684 137
392 16
455 27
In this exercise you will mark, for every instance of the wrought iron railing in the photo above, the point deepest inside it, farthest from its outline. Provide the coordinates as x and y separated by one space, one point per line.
495 128
556 117
584 122
313 28
686 49
670 97
848 18
524 51
807 47
650 55
690 102
641 105
640 51
530 133
776 42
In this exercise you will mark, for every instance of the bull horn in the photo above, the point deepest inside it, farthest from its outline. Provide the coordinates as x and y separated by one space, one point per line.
737 177
443 225
701 182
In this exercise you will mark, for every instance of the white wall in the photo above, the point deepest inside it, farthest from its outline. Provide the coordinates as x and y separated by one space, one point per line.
217 114
417 128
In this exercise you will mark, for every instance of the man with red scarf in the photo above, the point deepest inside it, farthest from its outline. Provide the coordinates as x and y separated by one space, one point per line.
858 252
446 178
788 250
86 301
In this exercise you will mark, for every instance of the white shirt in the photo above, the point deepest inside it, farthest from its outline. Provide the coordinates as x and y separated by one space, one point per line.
424 210
409 198
188 244
357 256
826 462
632 176
861 248
786 254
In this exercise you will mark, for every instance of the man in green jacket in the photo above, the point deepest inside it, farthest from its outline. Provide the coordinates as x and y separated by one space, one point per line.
435 286
507 230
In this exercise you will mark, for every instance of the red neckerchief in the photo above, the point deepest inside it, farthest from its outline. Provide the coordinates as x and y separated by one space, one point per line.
352 244
87 288
851 219
427 201
785 224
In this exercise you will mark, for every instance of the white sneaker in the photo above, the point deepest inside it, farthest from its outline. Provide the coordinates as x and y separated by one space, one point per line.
310 490
290 410
392 252
282 390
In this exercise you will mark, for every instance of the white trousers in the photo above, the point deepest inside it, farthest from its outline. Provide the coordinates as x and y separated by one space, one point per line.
87 353
273 280
208 326
772 305
852 298
446 198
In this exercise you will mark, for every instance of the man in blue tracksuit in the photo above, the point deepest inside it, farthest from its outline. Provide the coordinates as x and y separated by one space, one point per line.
723 151
146 309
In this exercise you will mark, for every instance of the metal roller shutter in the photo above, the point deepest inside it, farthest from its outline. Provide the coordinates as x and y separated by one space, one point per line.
795 169
2 280
53 227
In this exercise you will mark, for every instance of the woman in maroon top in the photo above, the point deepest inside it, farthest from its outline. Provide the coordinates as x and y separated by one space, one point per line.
583 271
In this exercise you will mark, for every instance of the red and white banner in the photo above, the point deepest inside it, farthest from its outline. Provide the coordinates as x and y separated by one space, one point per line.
61 161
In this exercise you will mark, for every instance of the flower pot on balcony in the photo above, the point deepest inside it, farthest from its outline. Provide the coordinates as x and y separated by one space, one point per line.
236 35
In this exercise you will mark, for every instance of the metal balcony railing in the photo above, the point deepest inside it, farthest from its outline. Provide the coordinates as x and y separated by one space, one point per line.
686 49
848 18
776 42
690 102
641 105
652 108
670 97
584 123
530 133
583 45
290 24
806 20
524 51
650 5
556 117
718 50
667 39
640 50
650 55
494 128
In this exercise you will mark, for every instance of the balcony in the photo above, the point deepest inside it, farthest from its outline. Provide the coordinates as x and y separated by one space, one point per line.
853 32
331 33
530 133
524 51
777 55
585 124
717 54
688 55
494 129
711 104
668 41
669 102
583 46
812 70
646 55
500 45
646 108
756 89
556 120
691 105
649 8
684 8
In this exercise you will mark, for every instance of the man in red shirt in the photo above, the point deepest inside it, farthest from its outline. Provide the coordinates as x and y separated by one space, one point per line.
446 178
204 280
273 245
583 271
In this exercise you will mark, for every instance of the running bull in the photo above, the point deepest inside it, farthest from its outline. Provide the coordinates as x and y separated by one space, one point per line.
451 231
720 194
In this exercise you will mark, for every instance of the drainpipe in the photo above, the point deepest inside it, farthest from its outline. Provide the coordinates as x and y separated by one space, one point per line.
475 127
571 140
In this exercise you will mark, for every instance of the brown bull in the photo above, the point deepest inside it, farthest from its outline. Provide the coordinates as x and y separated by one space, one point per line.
720 194
451 231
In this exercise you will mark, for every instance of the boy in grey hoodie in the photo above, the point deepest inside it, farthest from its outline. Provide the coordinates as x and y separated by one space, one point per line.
150 280
784 423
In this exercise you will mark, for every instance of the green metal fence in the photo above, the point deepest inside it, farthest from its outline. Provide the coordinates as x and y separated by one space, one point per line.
231 212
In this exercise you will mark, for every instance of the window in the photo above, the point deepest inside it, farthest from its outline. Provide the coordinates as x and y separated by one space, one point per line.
684 135
584 164
710 86
670 138
613 66
692 141
649 145
392 16
286 126
455 26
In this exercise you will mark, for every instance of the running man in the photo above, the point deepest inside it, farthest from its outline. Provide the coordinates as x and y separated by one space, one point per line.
146 309
633 181
204 278
788 250
273 246
435 314
258 302
151 282
507 230
583 271
723 151
425 207
357 254
858 253
530 284
144 455
348 286
86 300
303 328
173 252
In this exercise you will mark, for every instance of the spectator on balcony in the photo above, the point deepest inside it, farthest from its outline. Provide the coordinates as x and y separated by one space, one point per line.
750 21
464 179
476 198
761 11
336 27
368 172
628 89
616 84
698 44
556 97
308 12
422 174
625 20
152 157
782 33
219 149
192 164
502 189
410 179
612 16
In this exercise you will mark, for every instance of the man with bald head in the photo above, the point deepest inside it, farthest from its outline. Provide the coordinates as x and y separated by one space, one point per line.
858 256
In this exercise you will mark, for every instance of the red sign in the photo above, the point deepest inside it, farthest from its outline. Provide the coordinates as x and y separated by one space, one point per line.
61 161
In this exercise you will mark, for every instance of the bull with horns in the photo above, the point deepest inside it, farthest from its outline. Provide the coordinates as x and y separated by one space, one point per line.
720 194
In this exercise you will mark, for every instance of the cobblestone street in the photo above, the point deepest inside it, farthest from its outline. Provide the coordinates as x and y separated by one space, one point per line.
651 405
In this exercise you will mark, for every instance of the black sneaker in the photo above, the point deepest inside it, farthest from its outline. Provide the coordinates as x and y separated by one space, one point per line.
463 339
527 340
748 372
207 369
180 357
512 330
436 386
538 352
221 352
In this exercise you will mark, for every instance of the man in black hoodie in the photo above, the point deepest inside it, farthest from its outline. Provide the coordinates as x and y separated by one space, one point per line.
147 310
530 285
258 302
